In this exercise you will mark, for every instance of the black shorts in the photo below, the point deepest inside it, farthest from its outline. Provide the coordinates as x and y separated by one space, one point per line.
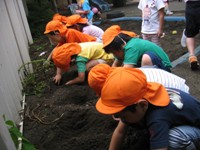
192 15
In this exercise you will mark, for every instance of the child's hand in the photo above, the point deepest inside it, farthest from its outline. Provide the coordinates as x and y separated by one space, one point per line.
57 79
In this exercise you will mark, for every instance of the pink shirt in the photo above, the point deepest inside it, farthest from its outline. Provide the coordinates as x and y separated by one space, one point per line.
94 31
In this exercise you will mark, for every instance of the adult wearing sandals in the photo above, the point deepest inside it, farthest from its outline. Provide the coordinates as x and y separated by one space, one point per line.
192 16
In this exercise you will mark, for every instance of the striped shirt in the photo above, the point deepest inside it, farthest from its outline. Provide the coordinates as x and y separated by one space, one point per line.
165 78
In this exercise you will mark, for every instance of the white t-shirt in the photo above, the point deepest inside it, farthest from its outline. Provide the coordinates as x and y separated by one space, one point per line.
150 16
165 78
93 31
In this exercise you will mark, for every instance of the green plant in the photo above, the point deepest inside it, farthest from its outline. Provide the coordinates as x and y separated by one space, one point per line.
16 136
36 82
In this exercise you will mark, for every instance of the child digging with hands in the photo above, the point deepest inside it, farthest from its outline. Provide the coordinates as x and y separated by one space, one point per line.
84 55
131 51
170 115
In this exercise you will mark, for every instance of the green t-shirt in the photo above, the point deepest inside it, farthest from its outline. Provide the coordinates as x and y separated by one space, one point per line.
136 47
81 63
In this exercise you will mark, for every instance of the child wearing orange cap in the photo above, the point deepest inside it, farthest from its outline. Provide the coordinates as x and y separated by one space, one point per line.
171 116
81 24
85 55
98 74
132 51
59 34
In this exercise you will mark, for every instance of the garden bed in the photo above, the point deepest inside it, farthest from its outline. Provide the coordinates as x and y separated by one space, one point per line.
64 117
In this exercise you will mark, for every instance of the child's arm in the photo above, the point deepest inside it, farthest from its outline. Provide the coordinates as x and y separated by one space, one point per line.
79 79
129 66
49 57
58 76
118 136
81 67
84 12
47 62
161 22
117 63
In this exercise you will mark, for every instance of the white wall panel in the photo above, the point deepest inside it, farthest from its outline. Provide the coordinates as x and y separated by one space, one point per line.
14 52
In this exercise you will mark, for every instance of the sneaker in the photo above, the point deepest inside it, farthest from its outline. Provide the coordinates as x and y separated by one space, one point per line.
194 64
183 39
168 12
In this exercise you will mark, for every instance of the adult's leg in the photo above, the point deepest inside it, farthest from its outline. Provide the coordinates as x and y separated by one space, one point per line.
191 30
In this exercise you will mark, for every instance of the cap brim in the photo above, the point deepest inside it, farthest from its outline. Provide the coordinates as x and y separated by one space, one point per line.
68 25
108 42
83 20
46 32
106 109
158 98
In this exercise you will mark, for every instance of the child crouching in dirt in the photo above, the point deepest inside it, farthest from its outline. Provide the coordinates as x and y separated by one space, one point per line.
81 24
99 73
170 115
85 55
131 51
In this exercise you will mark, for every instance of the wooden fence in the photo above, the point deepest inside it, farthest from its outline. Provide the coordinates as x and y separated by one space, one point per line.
15 38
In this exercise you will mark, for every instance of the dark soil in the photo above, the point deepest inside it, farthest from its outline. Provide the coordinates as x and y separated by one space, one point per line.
65 118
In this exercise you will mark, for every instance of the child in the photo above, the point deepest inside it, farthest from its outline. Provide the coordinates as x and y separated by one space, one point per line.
85 55
59 34
132 51
81 24
98 74
85 10
170 115
152 19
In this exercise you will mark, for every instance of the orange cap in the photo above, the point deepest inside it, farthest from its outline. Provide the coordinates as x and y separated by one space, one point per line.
97 77
57 16
74 19
62 55
60 18
54 25
125 87
112 32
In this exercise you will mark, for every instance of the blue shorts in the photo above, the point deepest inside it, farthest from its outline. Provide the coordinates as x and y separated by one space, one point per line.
157 61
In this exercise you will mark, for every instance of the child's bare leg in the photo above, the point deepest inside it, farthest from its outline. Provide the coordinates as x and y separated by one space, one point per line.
91 64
